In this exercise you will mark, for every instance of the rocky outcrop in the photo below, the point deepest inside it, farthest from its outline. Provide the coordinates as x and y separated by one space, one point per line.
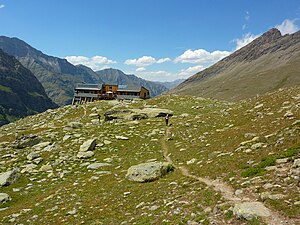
147 172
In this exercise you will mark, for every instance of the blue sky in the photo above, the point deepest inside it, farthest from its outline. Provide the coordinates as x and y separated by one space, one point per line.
159 40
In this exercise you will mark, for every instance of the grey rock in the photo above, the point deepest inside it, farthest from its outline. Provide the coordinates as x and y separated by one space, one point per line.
29 168
9 177
85 155
88 145
122 138
75 125
45 168
28 142
282 161
297 163
257 145
33 155
41 145
288 114
147 172
250 210
95 166
4 197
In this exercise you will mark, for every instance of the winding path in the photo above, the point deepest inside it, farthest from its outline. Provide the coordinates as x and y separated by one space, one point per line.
274 218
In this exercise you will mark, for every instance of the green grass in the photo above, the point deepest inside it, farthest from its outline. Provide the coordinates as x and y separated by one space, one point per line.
5 89
259 169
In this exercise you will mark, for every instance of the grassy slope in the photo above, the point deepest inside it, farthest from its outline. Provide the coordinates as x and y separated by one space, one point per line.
210 132
246 79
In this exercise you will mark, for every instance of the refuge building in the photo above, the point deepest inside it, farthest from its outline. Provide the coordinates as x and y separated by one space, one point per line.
92 92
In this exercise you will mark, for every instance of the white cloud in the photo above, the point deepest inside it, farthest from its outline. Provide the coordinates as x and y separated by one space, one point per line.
95 62
201 56
163 60
141 62
247 17
287 27
157 75
246 39
146 61
185 73
140 69
2 6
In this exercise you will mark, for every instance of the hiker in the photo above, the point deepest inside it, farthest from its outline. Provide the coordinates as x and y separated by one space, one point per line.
22 137
17 136
167 119
99 117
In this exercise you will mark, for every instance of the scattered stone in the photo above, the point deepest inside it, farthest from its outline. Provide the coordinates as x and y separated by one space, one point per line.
66 137
282 161
85 155
95 166
75 125
45 168
41 145
9 177
192 161
72 212
250 210
4 197
29 168
296 163
89 145
147 172
288 114
122 138
238 192
106 142
33 155
257 146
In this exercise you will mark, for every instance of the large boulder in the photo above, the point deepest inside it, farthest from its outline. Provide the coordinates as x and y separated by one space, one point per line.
147 172
28 141
88 145
136 114
9 177
4 198
250 210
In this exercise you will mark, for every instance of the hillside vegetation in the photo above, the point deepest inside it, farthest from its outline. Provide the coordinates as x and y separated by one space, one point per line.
222 154
270 62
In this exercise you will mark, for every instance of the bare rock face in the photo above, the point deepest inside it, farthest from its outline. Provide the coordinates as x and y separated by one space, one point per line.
147 172
9 177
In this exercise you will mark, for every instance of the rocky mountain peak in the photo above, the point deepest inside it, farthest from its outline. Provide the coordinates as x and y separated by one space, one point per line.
271 35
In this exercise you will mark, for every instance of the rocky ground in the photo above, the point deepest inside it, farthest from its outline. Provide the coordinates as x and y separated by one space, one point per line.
217 163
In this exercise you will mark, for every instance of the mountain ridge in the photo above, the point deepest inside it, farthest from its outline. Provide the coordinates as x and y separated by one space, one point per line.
271 61
21 94
57 75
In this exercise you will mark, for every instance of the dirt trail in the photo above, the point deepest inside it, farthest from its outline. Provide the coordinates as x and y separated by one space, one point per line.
223 188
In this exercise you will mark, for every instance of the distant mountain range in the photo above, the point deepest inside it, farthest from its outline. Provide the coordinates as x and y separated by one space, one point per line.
171 84
114 76
21 94
270 62
59 77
